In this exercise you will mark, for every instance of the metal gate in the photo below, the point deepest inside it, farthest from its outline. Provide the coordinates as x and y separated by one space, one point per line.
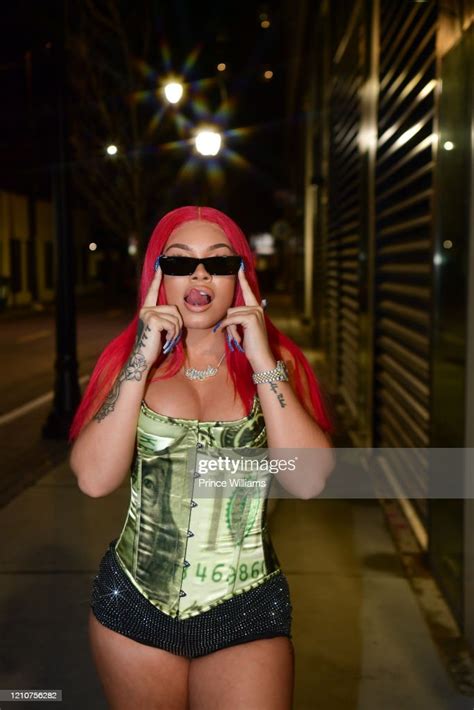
403 250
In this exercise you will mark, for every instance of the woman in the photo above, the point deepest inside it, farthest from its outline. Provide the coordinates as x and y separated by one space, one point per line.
190 608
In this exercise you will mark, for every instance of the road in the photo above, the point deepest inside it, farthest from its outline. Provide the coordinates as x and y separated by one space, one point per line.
27 357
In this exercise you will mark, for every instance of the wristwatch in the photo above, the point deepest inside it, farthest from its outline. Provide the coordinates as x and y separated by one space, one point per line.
278 374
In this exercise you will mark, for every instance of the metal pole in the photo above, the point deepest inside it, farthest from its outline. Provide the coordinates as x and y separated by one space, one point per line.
66 387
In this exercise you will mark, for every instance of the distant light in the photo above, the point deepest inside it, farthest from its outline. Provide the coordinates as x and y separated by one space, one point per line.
173 92
208 141
221 67
447 244
268 74
132 249
92 246
448 145
112 149
265 24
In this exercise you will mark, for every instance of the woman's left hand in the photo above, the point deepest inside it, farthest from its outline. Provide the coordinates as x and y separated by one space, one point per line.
251 318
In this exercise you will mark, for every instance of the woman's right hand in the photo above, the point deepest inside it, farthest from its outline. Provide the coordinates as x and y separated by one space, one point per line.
152 320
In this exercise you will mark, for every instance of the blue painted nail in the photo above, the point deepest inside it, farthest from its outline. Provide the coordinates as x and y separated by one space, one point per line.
216 326
168 346
173 343
238 345
157 263
242 265
229 342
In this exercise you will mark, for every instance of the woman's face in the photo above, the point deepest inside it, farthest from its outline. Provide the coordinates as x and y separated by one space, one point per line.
199 239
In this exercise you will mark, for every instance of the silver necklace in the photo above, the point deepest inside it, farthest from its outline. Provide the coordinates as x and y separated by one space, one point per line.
193 374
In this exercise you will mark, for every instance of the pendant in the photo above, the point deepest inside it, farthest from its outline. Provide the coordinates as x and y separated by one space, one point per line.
194 374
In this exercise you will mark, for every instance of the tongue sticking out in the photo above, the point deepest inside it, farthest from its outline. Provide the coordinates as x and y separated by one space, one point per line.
197 299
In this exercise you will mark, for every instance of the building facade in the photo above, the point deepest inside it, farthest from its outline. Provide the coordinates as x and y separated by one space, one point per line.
383 95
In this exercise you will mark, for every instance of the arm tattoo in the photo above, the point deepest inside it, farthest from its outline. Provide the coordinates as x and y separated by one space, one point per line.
280 397
132 370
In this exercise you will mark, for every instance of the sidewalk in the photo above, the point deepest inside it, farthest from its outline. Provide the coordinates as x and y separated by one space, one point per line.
359 636
361 641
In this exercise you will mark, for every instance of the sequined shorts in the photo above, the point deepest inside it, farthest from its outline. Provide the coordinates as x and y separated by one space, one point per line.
262 612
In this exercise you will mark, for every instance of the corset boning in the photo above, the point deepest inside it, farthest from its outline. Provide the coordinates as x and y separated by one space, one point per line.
185 552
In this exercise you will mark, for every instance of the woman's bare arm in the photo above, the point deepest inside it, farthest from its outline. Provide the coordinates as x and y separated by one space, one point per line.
103 452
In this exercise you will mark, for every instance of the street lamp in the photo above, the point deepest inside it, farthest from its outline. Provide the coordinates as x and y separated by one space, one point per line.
112 150
173 91
208 141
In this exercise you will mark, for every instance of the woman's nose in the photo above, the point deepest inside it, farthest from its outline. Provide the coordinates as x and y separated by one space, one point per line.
200 272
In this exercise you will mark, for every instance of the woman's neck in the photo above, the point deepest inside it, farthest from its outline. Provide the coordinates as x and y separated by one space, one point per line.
203 343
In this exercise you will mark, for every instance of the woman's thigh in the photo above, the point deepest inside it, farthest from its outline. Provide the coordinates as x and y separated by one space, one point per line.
134 675
258 675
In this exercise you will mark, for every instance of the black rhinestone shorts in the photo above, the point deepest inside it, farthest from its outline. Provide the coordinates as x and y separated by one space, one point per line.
262 612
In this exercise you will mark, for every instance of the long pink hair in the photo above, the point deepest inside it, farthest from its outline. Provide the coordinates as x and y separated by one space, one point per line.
117 352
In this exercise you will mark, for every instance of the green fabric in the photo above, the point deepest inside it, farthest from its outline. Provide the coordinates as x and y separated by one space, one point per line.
230 550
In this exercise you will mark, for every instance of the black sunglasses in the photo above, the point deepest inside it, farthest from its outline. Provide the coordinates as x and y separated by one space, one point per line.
187 265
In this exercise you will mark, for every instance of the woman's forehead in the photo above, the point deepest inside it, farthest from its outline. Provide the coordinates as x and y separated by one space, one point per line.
194 230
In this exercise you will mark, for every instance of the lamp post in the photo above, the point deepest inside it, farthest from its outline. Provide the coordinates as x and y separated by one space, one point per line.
67 393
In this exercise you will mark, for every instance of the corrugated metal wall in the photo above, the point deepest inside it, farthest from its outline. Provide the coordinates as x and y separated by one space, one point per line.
404 165
404 193
341 312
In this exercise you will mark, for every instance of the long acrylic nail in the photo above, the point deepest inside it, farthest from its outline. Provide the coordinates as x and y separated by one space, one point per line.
242 265
229 342
168 346
216 326
238 345
157 263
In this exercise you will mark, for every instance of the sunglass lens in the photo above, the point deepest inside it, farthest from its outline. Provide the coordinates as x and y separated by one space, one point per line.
186 265
178 265
223 265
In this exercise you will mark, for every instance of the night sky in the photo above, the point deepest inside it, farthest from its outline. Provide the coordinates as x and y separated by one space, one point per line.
193 35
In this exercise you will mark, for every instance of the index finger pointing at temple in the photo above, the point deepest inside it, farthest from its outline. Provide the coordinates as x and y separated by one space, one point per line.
152 294
248 294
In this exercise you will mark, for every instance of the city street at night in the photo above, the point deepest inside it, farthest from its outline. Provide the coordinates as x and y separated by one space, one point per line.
236 347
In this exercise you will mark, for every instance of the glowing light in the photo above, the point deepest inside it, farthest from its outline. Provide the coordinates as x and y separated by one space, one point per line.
367 139
92 246
427 89
265 24
173 91
447 244
268 74
405 137
221 66
112 150
208 141
448 145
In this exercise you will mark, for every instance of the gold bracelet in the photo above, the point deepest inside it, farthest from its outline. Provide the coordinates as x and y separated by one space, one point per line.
278 374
